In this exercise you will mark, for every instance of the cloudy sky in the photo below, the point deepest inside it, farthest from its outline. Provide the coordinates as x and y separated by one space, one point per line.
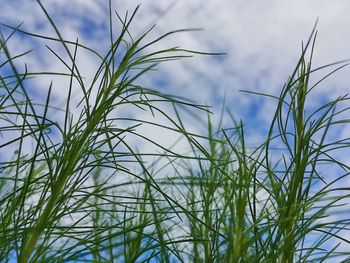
262 40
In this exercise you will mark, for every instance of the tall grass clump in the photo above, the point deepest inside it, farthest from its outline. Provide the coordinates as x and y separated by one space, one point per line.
55 203
79 189
283 201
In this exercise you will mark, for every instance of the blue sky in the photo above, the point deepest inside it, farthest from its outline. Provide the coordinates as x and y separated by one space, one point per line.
262 40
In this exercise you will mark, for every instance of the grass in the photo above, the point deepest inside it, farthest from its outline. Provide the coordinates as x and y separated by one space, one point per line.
85 192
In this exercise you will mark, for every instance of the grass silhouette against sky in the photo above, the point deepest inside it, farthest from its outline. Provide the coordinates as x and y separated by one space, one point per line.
100 163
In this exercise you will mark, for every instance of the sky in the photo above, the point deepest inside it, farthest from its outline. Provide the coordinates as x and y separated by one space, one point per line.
262 41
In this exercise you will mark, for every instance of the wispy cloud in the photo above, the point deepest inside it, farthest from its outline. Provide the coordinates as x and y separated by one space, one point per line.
262 40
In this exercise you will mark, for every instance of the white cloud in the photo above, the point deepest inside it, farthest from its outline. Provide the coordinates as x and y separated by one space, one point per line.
262 39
